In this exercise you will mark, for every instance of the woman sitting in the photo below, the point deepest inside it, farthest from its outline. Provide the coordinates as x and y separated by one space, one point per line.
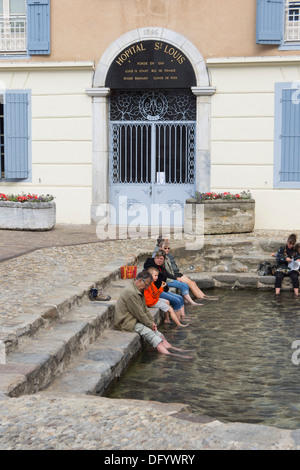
171 267
158 262
284 256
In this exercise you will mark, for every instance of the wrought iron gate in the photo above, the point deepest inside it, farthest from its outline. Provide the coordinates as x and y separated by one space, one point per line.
152 155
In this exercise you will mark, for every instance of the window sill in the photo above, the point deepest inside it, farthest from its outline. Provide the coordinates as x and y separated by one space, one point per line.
14 56
289 46
287 185
16 180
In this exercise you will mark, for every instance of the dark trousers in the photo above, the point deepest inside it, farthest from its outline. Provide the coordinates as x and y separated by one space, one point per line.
293 275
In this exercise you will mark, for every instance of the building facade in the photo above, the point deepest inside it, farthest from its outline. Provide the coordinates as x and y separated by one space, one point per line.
124 108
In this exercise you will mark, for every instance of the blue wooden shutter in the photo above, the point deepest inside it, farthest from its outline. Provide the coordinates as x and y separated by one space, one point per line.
269 21
16 134
290 136
38 17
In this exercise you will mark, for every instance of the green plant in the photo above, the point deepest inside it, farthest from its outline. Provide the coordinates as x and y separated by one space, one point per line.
200 197
26 198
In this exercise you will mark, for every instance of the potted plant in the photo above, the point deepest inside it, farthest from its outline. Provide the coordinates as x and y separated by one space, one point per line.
217 213
27 212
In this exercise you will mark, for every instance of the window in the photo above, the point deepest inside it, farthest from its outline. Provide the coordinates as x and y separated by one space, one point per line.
292 23
15 135
278 22
13 26
24 27
287 136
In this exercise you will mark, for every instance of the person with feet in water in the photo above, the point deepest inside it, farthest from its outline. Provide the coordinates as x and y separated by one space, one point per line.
132 314
284 256
172 267
152 296
159 262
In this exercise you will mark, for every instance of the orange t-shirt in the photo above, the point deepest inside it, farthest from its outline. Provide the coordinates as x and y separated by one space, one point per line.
152 294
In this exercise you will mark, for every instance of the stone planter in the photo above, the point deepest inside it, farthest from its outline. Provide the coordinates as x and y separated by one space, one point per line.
219 216
37 216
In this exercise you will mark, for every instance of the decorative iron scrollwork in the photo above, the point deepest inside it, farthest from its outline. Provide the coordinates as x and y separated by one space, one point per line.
160 105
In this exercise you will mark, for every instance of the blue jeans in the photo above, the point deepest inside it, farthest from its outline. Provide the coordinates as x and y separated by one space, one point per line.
175 300
182 286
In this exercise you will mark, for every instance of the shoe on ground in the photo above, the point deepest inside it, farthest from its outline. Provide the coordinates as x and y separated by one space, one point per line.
95 295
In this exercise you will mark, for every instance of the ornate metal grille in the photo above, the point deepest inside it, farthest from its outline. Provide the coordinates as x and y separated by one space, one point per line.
132 152
166 105
152 137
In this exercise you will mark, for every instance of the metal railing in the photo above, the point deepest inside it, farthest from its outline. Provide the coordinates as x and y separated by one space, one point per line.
292 21
13 34
142 151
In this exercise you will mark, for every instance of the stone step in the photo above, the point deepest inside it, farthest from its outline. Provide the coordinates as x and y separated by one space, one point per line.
237 263
40 358
16 330
95 369
225 262
210 280
86 335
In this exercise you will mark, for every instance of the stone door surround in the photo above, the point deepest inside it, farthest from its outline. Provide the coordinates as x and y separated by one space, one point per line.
100 95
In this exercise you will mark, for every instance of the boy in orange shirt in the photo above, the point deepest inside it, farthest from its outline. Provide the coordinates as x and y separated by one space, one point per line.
152 299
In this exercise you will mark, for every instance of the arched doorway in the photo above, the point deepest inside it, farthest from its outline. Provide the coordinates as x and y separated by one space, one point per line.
167 94
152 155
152 134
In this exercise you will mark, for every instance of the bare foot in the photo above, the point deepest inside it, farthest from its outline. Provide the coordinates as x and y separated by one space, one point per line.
181 350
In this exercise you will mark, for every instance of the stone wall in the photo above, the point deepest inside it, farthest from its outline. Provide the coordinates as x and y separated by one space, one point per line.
219 216
32 216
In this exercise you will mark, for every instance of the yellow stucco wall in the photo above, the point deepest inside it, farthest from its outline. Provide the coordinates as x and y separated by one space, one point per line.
242 137
61 137
242 109
83 29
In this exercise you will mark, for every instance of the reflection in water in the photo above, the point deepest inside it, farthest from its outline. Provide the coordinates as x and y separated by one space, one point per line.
242 369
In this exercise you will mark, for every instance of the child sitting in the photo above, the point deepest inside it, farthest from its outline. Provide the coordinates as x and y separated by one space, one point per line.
152 299
294 264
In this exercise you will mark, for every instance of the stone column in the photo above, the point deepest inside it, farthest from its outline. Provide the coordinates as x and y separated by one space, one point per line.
100 149
203 157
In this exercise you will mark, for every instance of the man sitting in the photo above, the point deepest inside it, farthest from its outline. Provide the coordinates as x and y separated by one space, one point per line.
132 314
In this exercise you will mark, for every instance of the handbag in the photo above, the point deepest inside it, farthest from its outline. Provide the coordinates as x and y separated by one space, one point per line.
129 271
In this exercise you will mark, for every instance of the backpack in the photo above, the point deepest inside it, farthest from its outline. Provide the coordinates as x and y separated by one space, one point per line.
266 269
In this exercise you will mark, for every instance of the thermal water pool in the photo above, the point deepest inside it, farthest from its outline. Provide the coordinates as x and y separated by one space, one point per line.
244 368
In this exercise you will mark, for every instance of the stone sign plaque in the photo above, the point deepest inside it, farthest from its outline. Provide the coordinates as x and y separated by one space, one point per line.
150 64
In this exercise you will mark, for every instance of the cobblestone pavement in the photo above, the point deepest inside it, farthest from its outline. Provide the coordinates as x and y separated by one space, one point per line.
33 267
42 422
29 279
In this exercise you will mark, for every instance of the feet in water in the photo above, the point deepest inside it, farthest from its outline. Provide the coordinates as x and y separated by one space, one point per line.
181 351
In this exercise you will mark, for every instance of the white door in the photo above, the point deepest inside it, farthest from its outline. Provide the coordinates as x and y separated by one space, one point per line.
151 159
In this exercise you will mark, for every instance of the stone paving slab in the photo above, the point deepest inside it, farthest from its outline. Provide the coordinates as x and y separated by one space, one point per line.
14 243
93 371
57 421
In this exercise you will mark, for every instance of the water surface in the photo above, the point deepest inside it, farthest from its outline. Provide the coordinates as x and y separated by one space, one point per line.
242 369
